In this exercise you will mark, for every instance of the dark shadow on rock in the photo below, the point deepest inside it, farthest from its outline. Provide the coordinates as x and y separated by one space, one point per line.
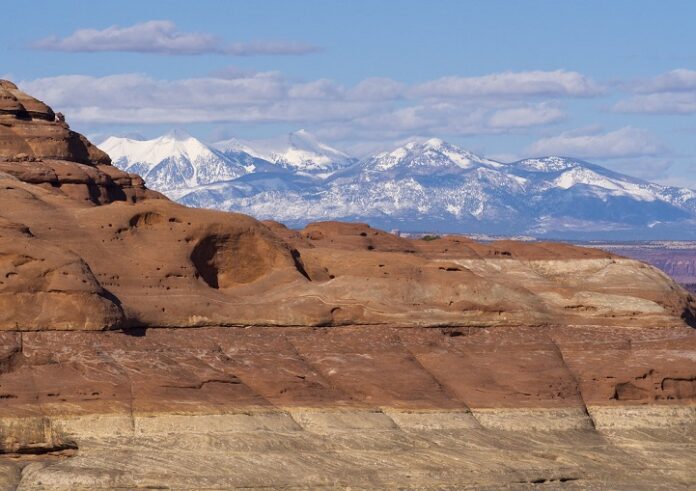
137 332
299 264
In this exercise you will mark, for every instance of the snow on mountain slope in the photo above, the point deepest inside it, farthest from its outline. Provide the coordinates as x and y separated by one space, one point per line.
422 185
299 152
566 173
176 163
430 154
426 178
417 180
234 146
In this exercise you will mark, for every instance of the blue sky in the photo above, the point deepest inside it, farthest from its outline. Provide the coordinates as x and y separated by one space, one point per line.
611 82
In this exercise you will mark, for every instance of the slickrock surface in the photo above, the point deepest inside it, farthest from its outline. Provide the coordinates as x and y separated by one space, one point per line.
145 345
678 260
155 263
361 407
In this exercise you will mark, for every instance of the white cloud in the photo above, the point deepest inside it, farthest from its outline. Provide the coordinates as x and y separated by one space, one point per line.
673 92
134 98
378 88
512 84
659 103
322 89
233 72
624 142
374 108
163 37
677 80
648 168
526 116
442 119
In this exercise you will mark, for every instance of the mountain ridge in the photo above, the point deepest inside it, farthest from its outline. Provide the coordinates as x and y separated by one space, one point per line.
422 185
298 151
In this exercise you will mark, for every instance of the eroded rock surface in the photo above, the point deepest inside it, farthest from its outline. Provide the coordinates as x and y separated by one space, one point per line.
154 263
366 407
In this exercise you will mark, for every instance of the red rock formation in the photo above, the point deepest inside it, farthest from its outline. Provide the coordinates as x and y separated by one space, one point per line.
335 328
39 148
143 260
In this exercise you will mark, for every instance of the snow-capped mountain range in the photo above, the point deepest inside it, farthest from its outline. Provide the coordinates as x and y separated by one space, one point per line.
424 185
300 152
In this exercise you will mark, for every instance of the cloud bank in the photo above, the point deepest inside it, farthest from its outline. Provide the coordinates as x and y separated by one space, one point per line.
374 108
621 143
377 110
671 93
506 84
163 37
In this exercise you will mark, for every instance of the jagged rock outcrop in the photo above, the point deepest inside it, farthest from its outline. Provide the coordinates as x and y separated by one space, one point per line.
38 147
31 130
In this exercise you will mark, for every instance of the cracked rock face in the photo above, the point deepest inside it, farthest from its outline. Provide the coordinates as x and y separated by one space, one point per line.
145 344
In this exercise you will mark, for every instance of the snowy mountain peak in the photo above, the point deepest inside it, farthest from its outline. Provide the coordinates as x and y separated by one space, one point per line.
234 146
152 152
424 184
434 143
177 134
303 139
175 161
566 173
547 164
431 153
298 151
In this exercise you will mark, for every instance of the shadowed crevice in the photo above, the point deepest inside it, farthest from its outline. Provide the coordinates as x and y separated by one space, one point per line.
689 317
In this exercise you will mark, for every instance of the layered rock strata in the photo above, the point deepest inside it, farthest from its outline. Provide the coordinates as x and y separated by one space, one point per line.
359 407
